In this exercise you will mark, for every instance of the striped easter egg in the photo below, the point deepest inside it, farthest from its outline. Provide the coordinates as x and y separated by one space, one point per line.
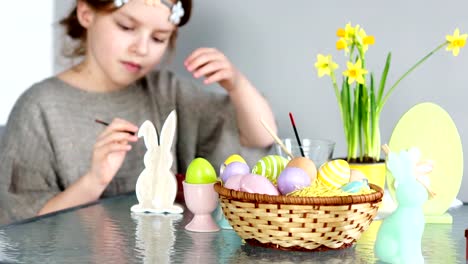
334 173
270 166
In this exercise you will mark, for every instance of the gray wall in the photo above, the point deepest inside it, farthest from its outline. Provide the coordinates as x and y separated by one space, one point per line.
275 44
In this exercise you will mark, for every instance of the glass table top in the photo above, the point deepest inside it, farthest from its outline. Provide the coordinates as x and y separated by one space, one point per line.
106 232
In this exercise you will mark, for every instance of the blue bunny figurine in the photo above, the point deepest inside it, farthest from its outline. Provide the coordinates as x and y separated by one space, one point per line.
399 236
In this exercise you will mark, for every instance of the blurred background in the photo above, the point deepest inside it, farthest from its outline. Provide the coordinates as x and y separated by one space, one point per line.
275 44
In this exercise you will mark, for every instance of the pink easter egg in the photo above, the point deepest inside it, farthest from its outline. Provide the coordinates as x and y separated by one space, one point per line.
292 179
234 168
233 182
253 183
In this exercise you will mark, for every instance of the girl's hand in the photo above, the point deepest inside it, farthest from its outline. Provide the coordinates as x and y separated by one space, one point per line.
110 150
215 67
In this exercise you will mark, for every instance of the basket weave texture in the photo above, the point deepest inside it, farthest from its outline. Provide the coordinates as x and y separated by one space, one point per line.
299 223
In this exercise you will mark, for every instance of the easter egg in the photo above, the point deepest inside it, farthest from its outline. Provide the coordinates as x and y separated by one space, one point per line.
334 173
200 171
234 168
270 166
355 186
253 183
232 158
233 182
292 179
356 175
306 164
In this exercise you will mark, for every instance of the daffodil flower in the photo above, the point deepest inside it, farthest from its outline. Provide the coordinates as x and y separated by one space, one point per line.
355 72
456 41
360 108
342 44
348 37
325 65
341 33
366 40
350 31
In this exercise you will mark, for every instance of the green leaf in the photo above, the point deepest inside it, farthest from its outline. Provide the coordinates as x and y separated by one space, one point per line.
346 104
383 80
356 125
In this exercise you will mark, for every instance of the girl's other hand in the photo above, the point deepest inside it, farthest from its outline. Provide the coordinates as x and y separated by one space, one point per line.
110 150
214 66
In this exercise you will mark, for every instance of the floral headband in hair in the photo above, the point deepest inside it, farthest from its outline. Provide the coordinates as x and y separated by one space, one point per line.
177 11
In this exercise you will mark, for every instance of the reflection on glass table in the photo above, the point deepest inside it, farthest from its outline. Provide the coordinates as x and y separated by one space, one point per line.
107 232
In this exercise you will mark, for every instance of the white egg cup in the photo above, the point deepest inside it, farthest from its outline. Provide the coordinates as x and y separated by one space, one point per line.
201 200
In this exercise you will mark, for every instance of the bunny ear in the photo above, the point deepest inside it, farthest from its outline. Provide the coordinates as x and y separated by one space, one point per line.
400 164
415 154
168 131
148 132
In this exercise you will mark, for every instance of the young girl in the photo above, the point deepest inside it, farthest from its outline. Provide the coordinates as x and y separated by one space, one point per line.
53 154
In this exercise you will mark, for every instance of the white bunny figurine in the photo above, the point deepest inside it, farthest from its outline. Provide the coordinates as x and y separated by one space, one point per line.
156 187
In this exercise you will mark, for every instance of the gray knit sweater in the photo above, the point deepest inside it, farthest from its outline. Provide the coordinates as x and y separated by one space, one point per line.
47 144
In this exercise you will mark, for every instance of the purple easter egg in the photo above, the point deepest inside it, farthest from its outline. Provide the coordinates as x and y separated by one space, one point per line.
233 182
234 168
253 183
292 179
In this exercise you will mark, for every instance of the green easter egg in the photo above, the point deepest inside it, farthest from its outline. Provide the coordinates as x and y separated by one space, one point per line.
200 171
270 166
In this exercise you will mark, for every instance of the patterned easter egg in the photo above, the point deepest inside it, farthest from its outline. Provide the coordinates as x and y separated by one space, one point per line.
334 173
270 166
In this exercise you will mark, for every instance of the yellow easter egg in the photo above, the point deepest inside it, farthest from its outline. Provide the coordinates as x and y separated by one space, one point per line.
270 166
230 159
334 173
234 157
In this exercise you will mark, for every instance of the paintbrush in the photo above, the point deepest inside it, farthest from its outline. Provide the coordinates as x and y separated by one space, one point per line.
106 124
276 138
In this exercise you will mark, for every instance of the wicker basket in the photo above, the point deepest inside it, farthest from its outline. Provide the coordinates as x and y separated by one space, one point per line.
299 223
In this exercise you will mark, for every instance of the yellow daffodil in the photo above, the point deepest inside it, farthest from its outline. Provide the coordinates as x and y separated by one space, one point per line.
363 95
325 65
347 37
350 31
341 33
355 72
456 41
341 44
366 40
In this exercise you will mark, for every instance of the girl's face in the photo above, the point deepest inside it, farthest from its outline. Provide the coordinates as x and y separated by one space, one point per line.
124 45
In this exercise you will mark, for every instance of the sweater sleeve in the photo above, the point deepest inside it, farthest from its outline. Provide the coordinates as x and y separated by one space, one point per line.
213 121
27 175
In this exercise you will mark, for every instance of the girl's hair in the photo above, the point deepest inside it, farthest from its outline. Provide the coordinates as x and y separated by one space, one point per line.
75 31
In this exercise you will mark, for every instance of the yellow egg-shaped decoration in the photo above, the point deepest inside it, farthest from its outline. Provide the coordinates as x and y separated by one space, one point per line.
270 166
334 173
232 158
